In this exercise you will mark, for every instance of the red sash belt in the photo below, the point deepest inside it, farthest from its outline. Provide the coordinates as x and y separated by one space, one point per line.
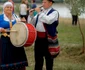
41 34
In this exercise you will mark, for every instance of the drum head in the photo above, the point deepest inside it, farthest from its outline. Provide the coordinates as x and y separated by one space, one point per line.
19 37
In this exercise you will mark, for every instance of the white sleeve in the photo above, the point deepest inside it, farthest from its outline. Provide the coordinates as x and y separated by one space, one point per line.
49 19
31 19
16 17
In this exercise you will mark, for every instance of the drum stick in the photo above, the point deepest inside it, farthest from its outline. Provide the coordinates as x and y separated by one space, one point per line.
11 30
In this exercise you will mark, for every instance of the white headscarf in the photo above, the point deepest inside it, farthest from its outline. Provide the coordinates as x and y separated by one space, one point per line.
7 4
15 16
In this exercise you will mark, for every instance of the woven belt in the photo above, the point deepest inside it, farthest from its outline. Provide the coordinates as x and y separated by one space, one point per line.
41 34
5 35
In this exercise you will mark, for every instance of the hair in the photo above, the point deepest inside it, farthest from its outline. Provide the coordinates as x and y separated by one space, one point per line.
51 1
23 1
33 1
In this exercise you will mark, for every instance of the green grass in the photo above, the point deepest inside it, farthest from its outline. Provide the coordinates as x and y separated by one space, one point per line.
71 46
71 43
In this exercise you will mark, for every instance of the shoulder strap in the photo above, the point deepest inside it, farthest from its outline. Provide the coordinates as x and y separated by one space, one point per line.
36 20
52 11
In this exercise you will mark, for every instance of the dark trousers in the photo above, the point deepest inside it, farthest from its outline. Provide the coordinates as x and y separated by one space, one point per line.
41 53
25 16
74 19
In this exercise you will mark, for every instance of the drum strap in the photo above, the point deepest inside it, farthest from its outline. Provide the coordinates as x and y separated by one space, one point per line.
10 24
36 20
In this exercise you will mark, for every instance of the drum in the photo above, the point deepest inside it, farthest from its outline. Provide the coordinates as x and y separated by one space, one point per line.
22 34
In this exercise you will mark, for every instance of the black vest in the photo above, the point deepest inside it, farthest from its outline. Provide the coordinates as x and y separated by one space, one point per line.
52 28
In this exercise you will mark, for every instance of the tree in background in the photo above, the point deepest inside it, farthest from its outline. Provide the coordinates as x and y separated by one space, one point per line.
79 7
78 4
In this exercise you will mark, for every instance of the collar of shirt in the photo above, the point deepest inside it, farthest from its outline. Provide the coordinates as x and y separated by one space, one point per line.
6 18
46 10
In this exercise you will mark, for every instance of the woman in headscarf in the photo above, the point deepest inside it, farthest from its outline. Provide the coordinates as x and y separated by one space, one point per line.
11 57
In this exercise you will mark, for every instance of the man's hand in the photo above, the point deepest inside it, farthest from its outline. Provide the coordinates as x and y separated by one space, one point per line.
38 9
31 12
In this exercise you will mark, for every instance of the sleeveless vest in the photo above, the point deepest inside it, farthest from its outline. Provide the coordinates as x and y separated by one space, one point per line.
51 28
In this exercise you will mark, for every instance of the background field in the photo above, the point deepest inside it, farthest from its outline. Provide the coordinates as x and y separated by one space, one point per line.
70 40
71 46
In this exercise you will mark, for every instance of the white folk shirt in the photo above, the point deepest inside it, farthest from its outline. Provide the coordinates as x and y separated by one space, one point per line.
44 18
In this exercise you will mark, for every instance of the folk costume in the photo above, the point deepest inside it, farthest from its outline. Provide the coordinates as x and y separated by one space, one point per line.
45 22
11 57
